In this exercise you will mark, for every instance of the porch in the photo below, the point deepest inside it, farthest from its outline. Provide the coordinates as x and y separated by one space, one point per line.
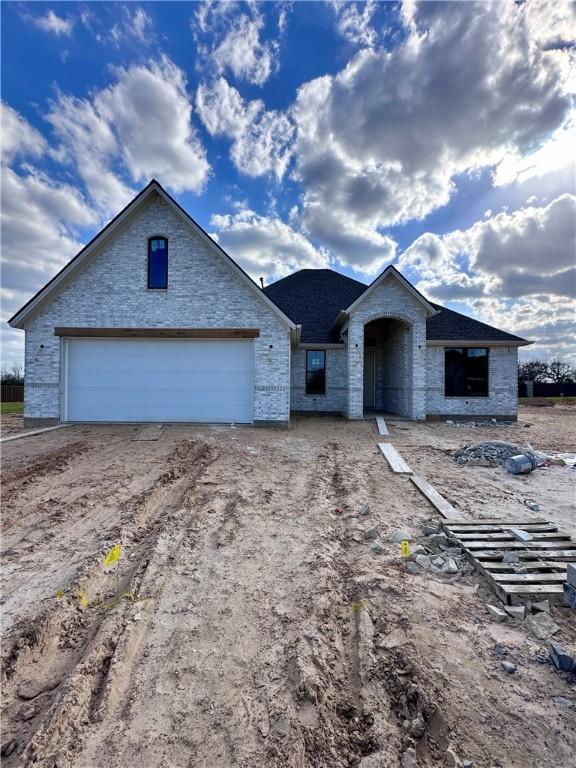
387 379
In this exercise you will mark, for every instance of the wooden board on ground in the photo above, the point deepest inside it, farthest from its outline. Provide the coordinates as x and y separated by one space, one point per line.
566 555
541 536
542 561
538 528
436 499
530 565
529 578
382 428
512 545
396 462
518 523
531 589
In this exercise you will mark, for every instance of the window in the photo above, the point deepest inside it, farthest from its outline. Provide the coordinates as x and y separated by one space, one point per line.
157 262
466 372
315 372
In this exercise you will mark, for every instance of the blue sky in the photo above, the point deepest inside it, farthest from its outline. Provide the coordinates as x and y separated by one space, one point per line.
436 136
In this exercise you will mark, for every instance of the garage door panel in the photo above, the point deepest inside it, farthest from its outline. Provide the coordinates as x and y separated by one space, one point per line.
159 380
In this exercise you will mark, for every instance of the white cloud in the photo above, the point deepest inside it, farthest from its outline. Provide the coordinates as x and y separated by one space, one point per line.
354 22
531 251
515 270
230 40
131 24
53 23
141 24
18 136
262 139
555 154
265 246
141 125
380 143
40 219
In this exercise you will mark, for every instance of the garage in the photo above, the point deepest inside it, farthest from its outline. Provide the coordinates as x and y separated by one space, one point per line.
160 380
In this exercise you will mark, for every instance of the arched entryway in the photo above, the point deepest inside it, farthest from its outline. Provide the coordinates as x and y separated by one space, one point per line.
388 366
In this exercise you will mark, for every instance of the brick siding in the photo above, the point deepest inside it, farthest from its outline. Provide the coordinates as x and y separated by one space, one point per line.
111 292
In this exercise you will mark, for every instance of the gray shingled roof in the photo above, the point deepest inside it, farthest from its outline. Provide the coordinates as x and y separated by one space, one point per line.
313 298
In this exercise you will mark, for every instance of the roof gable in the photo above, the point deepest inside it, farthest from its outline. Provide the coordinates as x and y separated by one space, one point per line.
392 272
68 272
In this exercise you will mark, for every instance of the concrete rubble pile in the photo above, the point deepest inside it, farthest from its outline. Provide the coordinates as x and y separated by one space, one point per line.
494 452
484 423
438 555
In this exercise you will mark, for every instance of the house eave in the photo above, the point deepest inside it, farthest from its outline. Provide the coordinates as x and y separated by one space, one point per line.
478 343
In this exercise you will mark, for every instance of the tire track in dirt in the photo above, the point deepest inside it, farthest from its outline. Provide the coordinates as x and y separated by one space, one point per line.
15 481
56 670
324 663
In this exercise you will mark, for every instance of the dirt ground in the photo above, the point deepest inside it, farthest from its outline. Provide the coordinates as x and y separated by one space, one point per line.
256 628
11 424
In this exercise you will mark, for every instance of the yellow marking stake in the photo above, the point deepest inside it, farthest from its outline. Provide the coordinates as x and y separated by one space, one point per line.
405 549
113 555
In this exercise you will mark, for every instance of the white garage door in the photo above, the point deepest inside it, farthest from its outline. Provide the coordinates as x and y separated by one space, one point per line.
158 380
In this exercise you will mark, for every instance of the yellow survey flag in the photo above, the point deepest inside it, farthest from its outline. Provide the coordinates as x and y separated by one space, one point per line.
405 547
113 555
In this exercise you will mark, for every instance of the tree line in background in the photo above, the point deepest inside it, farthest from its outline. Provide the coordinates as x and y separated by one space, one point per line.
13 375
540 371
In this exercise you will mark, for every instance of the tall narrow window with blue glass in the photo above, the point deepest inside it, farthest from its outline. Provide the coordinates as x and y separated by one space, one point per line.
157 262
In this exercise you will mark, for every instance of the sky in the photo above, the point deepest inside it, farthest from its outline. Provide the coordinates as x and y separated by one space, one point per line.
435 136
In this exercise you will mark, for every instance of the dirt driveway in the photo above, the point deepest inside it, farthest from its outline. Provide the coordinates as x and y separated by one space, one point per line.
258 629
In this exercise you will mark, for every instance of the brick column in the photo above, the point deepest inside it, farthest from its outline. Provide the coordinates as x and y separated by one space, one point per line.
418 370
356 370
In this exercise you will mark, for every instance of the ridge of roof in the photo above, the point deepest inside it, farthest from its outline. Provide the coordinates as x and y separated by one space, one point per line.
305 296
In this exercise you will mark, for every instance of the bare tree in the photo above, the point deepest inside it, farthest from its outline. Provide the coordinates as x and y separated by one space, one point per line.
533 370
561 373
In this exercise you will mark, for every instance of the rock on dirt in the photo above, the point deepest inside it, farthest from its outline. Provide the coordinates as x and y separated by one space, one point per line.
497 613
399 536
541 625
561 659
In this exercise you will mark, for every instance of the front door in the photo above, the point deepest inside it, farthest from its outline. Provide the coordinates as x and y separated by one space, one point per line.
369 379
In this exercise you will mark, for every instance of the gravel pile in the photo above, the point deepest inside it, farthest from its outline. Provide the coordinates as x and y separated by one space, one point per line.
492 453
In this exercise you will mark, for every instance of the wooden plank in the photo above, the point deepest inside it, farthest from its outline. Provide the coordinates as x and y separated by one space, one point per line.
33 432
458 529
512 545
436 499
532 578
396 462
382 428
510 523
163 333
537 565
562 535
531 589
569 555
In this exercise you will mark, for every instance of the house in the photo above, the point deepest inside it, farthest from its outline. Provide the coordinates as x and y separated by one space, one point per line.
153 321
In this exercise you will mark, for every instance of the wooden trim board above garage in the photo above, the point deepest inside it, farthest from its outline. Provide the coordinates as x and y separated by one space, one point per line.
160 333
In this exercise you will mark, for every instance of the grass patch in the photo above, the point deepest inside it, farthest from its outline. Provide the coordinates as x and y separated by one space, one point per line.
11 407
546 400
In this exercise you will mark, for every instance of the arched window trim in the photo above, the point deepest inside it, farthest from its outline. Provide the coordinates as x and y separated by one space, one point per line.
157 264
